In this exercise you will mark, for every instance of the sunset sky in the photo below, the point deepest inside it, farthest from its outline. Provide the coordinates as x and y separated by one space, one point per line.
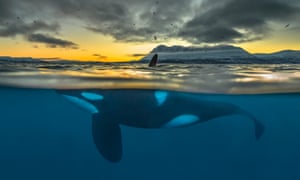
120 30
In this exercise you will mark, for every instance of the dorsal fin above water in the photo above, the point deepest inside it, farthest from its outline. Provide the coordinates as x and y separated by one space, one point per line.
153 61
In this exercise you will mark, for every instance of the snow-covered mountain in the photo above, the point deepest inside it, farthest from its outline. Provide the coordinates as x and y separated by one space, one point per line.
219 54
180 53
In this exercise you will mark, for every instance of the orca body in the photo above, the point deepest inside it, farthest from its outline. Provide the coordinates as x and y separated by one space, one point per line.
146 109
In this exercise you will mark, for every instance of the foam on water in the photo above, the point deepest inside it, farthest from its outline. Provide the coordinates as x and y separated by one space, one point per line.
212 78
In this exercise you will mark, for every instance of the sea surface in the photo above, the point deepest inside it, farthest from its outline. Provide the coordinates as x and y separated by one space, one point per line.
43 136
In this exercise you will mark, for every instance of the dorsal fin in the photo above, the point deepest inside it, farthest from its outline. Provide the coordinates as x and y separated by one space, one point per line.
153 61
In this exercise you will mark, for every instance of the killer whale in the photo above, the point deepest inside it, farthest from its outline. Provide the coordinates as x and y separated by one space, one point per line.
146 109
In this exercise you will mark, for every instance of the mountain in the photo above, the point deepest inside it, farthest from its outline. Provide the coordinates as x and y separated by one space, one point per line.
179 53
222 54
286 54
18 59
219 54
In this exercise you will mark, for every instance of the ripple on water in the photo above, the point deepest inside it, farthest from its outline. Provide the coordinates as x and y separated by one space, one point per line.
205 78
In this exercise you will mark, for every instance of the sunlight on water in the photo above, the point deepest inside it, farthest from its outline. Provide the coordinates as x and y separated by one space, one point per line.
212 78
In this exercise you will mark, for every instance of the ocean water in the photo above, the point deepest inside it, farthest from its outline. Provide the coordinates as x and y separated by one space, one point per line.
44 136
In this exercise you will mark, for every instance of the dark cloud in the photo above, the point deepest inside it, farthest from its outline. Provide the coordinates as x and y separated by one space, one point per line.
51 41
237 20
232 21
134 21
195 21
138 55
22 28
16 19
5 10
99 56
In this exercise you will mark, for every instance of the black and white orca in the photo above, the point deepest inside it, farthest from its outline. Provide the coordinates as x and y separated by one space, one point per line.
146 109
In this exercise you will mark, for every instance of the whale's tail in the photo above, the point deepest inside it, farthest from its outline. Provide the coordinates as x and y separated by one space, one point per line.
153 61
258 126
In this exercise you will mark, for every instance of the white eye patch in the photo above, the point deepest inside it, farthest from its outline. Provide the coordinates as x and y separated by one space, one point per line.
182 120
161 97
92 96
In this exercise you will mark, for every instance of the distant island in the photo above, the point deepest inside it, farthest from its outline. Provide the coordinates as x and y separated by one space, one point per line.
219 54
18 59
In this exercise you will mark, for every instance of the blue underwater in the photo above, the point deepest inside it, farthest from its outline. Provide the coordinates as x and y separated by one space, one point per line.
45 136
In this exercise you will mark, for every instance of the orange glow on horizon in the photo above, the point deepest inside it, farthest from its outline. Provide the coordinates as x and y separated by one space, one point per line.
95 47
269 47
88 51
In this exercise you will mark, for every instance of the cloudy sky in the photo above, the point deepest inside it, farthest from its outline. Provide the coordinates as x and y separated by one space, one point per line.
112 30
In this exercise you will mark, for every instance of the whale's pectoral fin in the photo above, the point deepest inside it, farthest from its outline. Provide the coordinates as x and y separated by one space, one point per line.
107 138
